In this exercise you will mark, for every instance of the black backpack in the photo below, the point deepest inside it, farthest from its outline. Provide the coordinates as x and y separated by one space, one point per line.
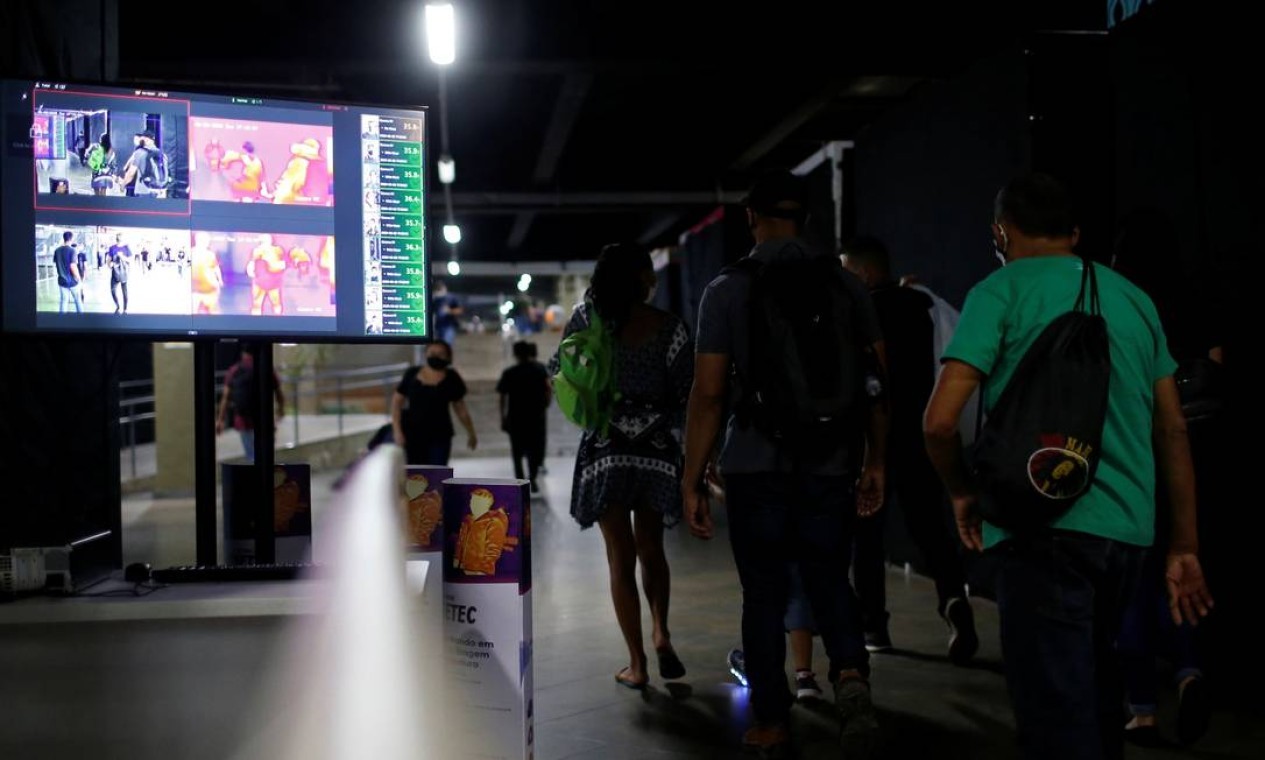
155 175
241 392
1039 451
805 388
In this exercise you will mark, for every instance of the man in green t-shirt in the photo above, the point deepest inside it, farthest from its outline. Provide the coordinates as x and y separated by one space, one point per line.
1061 592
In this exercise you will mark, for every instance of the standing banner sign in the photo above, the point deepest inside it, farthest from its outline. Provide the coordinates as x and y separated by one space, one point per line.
487 615
291 512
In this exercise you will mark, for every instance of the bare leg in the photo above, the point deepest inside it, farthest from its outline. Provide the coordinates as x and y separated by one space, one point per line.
621 556
802 649
656 577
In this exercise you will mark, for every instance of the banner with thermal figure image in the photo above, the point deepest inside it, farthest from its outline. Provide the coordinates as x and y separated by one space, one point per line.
119 270
242 161
263 274
488 616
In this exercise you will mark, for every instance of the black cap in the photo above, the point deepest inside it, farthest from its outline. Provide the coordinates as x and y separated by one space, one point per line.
146 134
778 193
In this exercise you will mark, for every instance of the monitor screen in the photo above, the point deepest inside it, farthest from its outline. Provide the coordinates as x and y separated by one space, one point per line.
173 214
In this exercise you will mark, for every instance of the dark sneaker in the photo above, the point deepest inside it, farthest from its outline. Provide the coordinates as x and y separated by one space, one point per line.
963 641
1147 737
877 642
738 666
860 722
806 686
771 742
1194 712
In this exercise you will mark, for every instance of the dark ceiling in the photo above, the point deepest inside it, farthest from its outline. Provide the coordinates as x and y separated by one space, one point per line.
575 123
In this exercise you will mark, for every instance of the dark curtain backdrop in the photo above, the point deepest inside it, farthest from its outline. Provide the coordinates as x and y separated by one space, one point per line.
925 174
1186 142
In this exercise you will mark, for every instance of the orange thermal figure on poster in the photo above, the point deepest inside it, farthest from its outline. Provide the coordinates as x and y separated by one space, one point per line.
483 536
266 270
425 510
206 275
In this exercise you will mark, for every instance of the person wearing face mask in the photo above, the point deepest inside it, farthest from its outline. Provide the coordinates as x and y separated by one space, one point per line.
626 481
1062 588
420 409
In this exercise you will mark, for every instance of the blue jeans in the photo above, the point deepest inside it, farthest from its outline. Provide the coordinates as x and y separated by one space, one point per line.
73 295
1061 597
248 443
777 521
1148 633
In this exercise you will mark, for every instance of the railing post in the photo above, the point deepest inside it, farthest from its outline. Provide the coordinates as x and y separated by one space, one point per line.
297 406
339 401
131 440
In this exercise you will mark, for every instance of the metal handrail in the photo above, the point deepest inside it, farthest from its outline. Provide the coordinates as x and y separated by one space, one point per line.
303 384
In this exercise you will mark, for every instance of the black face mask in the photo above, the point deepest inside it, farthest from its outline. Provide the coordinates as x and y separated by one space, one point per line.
437 362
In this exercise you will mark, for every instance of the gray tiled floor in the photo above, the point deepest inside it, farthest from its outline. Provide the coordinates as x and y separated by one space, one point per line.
169 688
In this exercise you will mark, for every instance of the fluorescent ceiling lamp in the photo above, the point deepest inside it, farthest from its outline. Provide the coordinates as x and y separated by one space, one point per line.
526 278
447 169
506 308
452 233
454 268
523 285
441 33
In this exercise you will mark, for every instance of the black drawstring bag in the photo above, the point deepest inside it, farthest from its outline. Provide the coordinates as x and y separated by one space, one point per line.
1039 450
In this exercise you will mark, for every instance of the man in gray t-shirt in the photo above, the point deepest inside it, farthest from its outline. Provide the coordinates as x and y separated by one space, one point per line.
784 515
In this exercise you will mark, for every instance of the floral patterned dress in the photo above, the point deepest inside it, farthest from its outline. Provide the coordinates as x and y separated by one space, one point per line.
639 463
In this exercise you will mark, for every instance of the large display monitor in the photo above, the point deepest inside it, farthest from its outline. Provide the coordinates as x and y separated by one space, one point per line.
172 214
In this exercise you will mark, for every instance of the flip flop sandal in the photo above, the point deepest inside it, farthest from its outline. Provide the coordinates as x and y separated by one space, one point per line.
628 683
670 666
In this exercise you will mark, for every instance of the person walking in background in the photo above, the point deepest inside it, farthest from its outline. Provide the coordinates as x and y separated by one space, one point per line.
908 335
1062 589
790 470
240 401
81 260
420 408
447 310
525 390
68 277
627 481
1147 254
119 257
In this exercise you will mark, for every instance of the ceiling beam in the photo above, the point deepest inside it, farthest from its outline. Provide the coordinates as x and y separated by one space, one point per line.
522 225
661 224
790 123
566 110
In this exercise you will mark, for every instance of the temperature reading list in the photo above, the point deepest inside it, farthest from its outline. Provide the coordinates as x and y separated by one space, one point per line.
396 302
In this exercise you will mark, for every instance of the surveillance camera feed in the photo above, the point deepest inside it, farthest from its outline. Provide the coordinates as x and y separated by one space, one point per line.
165 214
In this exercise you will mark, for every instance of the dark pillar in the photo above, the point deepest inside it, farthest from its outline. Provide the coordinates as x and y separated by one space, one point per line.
265 445
204 413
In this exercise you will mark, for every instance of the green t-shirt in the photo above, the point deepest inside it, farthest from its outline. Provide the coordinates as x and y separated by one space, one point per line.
1003 316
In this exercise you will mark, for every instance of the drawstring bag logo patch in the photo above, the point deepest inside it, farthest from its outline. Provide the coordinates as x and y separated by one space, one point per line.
1060 469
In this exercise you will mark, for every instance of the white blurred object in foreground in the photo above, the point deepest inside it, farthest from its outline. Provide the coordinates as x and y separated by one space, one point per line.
350 684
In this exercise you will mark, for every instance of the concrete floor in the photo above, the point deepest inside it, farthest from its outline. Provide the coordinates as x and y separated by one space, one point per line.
179 688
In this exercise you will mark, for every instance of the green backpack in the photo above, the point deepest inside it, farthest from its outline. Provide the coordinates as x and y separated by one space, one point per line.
96 158
585 383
